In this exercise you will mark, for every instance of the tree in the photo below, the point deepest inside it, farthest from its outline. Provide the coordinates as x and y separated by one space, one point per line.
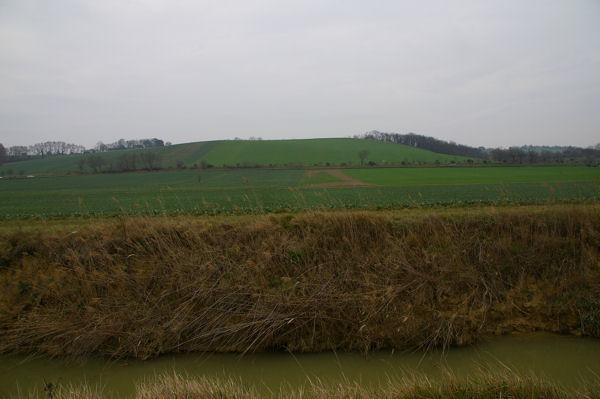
127 162
362 154
3 154
150 159
96 162
81 164
17 152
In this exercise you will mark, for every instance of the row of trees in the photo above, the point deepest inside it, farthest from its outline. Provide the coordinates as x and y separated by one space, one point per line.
521 155
524 154
123 144
48 148
148 160
425 142
52 148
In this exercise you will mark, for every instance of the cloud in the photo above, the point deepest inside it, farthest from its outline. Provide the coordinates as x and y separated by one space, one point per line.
469 71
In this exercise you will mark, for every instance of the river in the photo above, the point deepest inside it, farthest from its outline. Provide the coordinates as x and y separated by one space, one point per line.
565 360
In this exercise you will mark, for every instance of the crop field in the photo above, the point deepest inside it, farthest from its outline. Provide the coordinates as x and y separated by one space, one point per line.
314 151
475 175
272 190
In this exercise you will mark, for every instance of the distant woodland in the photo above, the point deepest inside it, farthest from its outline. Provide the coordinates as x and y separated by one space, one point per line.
514 155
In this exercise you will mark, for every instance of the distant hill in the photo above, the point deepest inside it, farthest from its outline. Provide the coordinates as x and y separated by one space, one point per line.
238 153
336 151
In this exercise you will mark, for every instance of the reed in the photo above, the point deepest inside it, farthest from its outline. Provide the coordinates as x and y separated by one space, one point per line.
144 286
479 386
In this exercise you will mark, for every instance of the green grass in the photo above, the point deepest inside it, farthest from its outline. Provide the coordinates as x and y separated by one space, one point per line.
476 175
267 190
315 151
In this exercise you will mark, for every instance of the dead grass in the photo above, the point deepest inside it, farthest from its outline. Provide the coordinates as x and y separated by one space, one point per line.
141 287
480 386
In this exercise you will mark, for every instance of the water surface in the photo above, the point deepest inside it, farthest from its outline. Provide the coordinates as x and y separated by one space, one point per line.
566 360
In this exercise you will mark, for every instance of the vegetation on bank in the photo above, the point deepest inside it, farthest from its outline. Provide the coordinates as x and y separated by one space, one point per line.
140 287
481 386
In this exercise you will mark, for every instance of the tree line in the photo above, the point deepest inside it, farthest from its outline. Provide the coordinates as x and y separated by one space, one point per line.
513 155
123 144
54 148
424 142
148 160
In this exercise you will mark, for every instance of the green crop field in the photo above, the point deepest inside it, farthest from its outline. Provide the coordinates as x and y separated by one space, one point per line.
241 153
267 190
475 175
315 151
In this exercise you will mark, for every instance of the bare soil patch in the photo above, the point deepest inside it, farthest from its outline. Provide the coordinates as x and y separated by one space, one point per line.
347 181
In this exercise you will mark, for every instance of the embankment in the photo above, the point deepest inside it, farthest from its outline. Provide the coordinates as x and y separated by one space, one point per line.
142 287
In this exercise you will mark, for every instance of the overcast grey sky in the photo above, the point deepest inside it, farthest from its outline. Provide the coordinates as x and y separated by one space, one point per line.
492 73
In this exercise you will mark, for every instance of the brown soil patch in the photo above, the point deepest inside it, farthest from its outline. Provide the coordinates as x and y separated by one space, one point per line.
347 181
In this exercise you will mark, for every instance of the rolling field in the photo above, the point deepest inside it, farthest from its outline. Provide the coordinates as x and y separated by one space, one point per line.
313 151
267 190
243 152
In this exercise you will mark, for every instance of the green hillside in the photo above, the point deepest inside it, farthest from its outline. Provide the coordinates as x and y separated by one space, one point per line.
314 151
242 153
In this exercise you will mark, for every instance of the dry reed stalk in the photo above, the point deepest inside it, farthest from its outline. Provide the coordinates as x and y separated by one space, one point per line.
480 386
142 286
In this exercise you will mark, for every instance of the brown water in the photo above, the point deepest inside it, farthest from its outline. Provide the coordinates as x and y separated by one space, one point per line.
566 360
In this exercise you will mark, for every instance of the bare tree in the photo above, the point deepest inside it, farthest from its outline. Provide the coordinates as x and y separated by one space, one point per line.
96 162
150 159
362 154
3 154
127 162
81 164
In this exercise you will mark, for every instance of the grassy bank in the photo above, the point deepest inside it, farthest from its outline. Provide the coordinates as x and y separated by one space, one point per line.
482 386
141 287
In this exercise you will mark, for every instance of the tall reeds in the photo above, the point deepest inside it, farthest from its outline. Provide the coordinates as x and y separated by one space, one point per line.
143 286
479 386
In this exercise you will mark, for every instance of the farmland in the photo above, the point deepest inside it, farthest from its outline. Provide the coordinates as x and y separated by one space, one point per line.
315 151
239 153
269 190
452 175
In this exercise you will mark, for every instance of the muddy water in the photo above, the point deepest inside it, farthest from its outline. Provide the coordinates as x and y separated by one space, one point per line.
565 360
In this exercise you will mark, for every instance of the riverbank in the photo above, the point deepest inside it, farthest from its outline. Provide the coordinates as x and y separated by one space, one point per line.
480 386
145 286
569 363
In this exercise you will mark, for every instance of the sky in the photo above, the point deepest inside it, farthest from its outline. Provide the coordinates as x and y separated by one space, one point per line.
482 73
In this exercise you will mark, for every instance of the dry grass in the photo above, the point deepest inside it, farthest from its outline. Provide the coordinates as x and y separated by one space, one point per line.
141 287
481 386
